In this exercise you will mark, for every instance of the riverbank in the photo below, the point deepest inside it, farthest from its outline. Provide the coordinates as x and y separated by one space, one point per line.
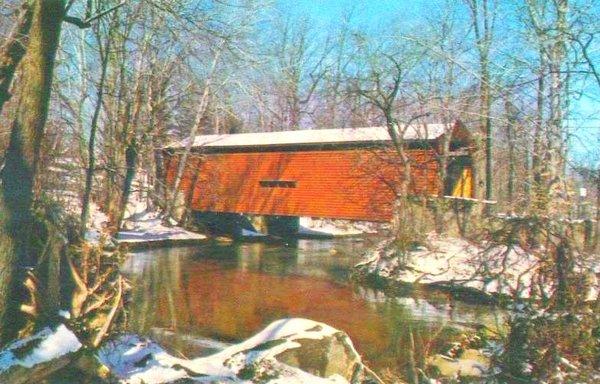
483 272
311 228
146 230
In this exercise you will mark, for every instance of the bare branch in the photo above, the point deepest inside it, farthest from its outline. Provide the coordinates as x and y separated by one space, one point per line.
83 24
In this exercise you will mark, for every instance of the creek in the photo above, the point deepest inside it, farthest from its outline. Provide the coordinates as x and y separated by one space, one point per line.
194 300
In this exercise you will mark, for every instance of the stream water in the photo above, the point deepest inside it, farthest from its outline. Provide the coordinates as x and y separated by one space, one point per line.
194 299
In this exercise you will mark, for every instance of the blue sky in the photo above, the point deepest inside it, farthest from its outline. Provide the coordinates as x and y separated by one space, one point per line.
378 13
331 9
327 12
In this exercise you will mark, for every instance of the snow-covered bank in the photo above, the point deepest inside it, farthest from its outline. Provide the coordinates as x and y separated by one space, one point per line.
97 225
457 263
286 351
98 222
311 227
143 226
148 228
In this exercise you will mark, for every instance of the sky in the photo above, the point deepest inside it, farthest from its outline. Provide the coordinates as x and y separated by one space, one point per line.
330 9
365 12
375 13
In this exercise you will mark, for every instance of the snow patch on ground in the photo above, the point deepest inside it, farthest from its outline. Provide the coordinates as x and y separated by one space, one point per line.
148 227
97 225
329 227
136 360
456 262
45 346
145 226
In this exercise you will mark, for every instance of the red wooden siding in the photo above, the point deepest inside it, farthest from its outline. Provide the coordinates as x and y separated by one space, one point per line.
345 184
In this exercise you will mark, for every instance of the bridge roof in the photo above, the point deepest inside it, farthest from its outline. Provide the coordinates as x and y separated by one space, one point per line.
315 137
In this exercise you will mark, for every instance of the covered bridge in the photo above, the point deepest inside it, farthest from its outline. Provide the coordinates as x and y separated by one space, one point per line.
350 173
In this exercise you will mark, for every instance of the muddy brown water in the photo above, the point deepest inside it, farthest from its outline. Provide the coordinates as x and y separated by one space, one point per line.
194 299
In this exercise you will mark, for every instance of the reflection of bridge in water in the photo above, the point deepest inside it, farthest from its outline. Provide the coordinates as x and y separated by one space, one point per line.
350 174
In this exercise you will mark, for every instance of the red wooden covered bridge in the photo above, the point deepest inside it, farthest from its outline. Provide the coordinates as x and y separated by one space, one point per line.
350 173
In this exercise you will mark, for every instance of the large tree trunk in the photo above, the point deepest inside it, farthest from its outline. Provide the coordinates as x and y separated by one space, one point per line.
482 23
555 155
13 50
22 155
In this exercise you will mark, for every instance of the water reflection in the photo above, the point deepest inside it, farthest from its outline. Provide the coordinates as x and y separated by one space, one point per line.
228 292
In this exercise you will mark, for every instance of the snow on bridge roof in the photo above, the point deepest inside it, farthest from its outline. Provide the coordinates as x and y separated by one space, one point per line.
314 137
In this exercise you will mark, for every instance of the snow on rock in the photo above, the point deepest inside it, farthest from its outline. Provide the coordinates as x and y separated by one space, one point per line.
46 345
458 263
249 233
472 363
274 355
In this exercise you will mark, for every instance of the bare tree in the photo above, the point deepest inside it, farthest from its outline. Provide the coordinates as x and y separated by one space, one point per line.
200 113
104 48
384 78
549 24
482 21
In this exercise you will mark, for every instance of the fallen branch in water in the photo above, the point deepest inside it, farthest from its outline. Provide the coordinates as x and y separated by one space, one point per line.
111 316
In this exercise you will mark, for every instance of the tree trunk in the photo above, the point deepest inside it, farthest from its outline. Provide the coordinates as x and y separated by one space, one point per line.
442 158
536 163
482 22
134 142
21 159
91 166
13 50
174 194
510 136
597 234
486 102
555 135
131 161
172 197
